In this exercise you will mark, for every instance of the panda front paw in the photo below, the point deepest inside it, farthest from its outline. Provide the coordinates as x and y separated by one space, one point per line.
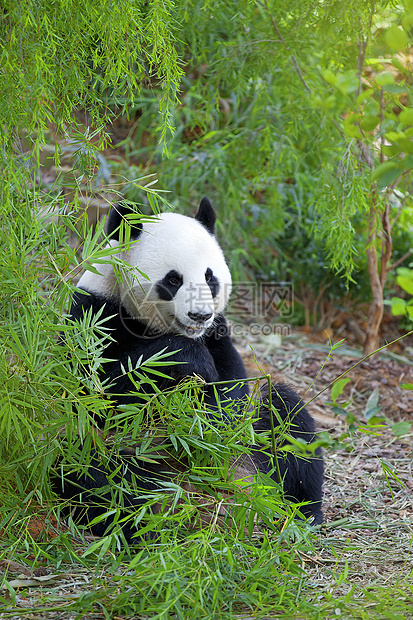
219 329
200 365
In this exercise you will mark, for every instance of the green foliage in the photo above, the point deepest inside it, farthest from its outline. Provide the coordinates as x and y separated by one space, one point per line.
401 307
57 53
51 397
209 577
259 122
338 388
257 125
267 128
270 136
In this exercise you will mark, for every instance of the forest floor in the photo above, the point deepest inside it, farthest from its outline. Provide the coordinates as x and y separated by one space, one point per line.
367 534
368 490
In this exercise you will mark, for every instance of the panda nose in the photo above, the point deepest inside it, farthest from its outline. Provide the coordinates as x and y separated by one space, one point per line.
198 317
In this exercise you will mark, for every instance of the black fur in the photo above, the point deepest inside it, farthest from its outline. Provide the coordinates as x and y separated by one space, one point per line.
212 282
212 357
118 215
206 215
302 475
93 496
170 284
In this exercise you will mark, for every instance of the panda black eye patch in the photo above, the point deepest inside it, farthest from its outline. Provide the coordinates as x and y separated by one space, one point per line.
212 282
169 285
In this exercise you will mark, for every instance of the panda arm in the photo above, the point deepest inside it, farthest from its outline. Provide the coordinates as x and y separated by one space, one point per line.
189 358
227 360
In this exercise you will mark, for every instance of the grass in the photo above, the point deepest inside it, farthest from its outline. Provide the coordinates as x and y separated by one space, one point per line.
208 574
357 565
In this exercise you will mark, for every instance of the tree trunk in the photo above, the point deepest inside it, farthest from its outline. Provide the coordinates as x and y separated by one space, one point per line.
377 277
375 315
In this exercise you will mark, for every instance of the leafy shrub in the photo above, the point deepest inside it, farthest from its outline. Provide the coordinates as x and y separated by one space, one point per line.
399 306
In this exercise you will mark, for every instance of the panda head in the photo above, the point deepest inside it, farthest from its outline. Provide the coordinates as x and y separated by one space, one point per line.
175 278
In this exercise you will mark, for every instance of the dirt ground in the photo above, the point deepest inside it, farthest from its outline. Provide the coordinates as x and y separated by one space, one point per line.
368 490
310 367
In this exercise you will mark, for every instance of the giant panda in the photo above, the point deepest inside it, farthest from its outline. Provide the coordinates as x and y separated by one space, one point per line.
171 296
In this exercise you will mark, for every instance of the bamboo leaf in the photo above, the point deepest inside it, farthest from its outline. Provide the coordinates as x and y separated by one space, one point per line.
338 388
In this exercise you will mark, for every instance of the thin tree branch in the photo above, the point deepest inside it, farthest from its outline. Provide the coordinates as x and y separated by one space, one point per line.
366 154
337 126
382 139
277 30
362 45
400 209
400 260
388 245
362 51
376 309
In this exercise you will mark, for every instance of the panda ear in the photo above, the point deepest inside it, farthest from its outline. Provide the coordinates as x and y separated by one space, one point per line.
206 215
116 216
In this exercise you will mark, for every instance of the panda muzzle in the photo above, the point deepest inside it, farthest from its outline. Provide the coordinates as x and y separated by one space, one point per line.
199 317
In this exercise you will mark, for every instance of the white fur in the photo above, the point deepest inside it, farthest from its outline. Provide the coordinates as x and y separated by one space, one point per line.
106 284
169 242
